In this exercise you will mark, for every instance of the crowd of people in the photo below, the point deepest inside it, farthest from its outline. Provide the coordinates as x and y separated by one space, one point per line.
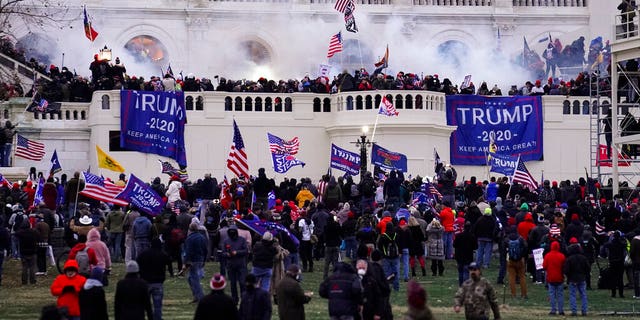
107 75
370 236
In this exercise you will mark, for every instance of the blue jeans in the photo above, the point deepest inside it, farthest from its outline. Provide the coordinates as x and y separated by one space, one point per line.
351 245
157 293
116 246
392 267
15 246
582 288
463 273
447 238
405 263
71 211
6 155
292 258
263 275
196 273
483 256
556 297
141 245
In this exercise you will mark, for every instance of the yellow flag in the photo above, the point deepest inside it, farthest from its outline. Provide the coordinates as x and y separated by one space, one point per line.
107 162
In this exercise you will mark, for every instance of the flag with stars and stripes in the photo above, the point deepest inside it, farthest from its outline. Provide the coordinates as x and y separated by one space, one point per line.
99 188
237 160
523 176
279 145
29 149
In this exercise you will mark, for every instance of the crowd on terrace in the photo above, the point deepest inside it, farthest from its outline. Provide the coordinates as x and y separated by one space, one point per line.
106 75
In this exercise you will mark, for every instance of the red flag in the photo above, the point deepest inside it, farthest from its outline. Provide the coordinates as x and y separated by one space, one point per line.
89 32
385 59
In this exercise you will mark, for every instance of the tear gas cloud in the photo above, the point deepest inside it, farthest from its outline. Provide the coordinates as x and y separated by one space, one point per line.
302 46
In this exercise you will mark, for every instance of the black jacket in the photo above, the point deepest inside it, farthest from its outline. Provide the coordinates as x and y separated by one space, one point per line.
132 299
332 233
216 305
153 265
576 266
263 254
344 291
255 305
93 304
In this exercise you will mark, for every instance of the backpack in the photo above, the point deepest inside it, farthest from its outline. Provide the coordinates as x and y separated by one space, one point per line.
391 249
82 258
515 250
17 223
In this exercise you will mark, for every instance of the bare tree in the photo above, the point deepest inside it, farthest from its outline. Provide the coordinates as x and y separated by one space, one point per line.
33 15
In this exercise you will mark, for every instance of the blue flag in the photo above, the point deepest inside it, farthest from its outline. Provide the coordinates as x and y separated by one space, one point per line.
344 160
139 194
38 198
55 163
153 122
419 198
283 162
271 199
282 153
503 164
260 227
387 159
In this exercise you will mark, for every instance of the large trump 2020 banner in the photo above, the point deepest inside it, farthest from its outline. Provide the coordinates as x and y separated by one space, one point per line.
513 123
153 122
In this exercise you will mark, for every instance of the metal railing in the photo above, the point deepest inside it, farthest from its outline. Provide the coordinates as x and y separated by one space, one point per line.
550 3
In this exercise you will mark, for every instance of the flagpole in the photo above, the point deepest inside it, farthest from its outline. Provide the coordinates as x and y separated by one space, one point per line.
512 175
360 52
373 134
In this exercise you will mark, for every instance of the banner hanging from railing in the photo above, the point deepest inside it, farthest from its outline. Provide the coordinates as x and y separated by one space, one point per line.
513 124
153 122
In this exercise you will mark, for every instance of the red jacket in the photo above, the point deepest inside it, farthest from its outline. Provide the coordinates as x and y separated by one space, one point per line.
93 259
68 298
525 226
553 263
446 219
382 225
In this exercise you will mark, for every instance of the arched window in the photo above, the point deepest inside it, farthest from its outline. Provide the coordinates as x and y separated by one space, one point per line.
288 105
326 105
359 104
238 106
566 107
419 102
258 104
368 102
228 104
408 102
278 103
268 104
147 49
75 114
188 103
105 102
199 103
316 105
576 107
398 103
248 106
256 52
83 115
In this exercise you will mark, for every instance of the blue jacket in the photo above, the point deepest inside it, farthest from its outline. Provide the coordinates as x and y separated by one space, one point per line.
195 248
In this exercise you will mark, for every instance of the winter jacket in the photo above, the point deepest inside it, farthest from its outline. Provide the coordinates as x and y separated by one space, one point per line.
93 259
525 226
115 221
463 245
195 247
263 254
344 291
132 299
291 299
576 266
447 218
100 249
67 289
216 305
93 304
484 228
255 305
553 263
153 264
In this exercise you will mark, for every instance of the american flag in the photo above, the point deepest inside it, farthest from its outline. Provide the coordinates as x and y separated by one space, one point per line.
335 45
279 146
387 108
3 180
169 169
29 149
237 160
522 175
341 5
101 189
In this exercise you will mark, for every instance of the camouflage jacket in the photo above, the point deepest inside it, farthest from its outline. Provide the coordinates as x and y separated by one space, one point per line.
477 297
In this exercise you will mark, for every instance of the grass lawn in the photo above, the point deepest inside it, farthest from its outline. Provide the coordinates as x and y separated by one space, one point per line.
25 302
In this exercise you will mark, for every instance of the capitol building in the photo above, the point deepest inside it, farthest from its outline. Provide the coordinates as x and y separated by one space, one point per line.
288 39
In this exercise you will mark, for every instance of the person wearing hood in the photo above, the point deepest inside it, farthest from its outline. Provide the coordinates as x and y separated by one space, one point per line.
291 298
417 302
372 292
153 265
102 252
67 286
264 251
92 300
255 303
236 251
195 254
574 229
132 295
553 264
91 255
576 267
447 218
173 191
435 247
616 251
343 289
525 226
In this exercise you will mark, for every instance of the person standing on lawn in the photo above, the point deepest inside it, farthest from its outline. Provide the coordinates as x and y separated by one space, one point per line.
576 267
477 296
67 287
153 264
553 263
